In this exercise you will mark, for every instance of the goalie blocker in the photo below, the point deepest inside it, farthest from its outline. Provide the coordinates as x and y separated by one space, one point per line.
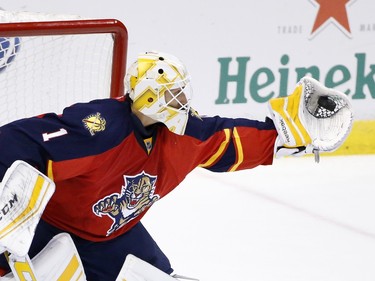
24 194
312 119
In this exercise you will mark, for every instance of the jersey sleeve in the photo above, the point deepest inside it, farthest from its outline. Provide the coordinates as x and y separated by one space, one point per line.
16 144
233 144
82 130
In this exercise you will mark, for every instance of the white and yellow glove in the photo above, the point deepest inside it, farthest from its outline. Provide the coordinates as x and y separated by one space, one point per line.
313 118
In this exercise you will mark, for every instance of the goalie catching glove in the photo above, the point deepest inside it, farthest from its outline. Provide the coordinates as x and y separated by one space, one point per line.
312 119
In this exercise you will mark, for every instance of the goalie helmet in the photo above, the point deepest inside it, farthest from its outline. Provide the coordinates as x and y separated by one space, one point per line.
159 86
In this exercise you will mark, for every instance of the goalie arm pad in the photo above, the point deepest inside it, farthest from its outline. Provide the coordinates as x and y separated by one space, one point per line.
312 118
24 194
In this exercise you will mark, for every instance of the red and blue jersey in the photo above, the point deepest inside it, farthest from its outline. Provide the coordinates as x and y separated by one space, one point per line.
107 176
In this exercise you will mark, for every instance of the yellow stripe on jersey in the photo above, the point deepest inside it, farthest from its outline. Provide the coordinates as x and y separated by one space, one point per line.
239 150
49 170
219 152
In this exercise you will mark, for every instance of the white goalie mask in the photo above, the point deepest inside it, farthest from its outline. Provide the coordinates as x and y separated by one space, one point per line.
159 86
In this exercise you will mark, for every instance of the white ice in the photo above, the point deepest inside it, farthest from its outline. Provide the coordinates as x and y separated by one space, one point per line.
292 221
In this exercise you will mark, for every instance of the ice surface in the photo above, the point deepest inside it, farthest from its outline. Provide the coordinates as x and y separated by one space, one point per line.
293 221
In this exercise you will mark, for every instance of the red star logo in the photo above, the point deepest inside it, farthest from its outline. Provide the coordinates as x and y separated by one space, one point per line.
332 10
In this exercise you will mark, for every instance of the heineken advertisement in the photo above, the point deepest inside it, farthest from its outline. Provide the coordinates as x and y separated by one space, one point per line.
363 78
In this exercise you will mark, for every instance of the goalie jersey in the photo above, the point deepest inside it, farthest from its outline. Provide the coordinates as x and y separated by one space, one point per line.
109 169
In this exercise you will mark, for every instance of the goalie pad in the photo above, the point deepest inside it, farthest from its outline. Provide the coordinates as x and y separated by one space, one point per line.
313 118
59 260
24 194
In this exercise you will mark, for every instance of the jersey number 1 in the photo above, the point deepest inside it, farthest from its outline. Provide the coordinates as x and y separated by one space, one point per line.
59 133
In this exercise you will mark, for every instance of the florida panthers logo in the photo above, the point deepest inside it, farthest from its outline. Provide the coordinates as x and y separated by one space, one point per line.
136 195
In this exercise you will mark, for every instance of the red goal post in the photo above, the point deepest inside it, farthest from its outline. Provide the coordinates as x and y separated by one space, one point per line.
51 64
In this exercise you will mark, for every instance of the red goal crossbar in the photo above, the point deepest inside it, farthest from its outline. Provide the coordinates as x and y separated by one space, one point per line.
72 27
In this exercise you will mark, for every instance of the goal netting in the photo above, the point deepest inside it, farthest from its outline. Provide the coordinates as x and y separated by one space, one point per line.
48 62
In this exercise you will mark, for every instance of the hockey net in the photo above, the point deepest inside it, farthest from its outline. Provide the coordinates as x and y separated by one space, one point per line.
49 62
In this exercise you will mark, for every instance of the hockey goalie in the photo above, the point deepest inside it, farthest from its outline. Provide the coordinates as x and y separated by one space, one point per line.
83 180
